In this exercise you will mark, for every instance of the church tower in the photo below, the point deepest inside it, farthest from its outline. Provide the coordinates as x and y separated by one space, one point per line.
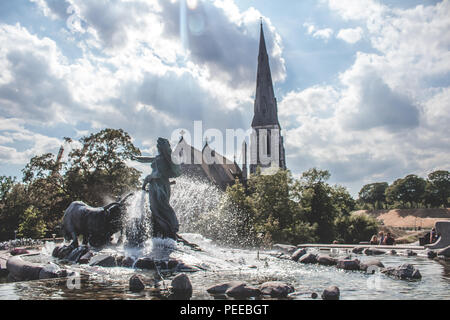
267 145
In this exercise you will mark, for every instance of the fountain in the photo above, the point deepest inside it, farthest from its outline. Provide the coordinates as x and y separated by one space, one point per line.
157 251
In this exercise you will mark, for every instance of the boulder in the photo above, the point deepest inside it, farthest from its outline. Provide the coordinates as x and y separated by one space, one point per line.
128 262
182 267
331 293
374 263
52 271
103 260
358 250
172 263
285 248
77 253
145 263
373 252
431 254
85 258
181 287
21 270
223 287
326 260
62 252
411 253
348 264
276 289
308 258
444 252
298 254
136 284
404 272
314 295
18 252
393 252
243 291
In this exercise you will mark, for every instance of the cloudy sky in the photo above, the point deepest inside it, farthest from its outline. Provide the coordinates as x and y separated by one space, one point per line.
363 86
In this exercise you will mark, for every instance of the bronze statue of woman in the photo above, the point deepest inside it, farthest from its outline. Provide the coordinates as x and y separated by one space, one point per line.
164 220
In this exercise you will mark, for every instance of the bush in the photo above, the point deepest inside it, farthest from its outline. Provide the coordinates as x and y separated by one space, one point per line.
32 225
355 228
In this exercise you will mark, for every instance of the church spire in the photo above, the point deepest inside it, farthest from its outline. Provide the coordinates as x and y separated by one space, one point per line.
266 112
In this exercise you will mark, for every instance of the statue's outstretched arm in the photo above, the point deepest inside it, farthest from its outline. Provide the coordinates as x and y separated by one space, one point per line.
143 159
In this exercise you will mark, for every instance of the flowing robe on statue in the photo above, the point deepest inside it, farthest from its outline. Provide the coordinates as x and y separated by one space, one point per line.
164 220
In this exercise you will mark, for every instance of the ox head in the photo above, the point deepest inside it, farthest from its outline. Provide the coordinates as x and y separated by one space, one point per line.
115 212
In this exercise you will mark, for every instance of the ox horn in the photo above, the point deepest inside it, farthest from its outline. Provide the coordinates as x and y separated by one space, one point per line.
109 206
126 197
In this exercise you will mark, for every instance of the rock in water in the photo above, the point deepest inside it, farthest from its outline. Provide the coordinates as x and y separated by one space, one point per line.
348 264
62 252
18 252
86 258
326 260
103 260
77 253
136 284
243 291
128 262
145 263
373 251
276 289
284 248
371 265
308 258
358 250
298 254
181 287
223 287
51 271
314 295
404 272
331 293
411 253
431 254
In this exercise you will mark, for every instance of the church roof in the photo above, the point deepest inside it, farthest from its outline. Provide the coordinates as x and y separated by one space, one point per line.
222 173
266 110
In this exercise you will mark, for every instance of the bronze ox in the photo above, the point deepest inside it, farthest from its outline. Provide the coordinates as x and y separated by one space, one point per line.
96 225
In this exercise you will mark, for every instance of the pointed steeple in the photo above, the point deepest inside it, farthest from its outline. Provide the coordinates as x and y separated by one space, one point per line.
266 112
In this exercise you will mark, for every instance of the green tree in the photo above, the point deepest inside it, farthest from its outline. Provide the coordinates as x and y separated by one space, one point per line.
276 215
410 189
6 184
93 173
374 193
98 169
355 228
315 197
32 225
12 205
438 188
342 199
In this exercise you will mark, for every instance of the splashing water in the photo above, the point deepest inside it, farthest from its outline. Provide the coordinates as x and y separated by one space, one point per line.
203 208
137 220
191 198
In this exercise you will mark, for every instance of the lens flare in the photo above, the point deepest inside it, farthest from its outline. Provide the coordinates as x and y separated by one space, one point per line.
192 4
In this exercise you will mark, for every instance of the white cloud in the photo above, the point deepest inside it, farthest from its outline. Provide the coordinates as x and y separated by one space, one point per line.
323 34
351 35
383 119
133 72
